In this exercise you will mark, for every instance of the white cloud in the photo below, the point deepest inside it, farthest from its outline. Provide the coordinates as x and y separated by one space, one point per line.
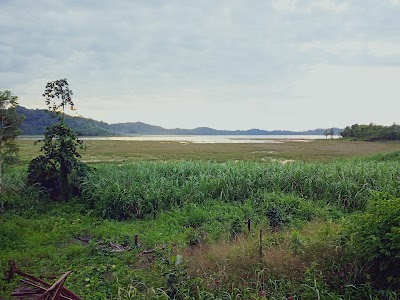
285 5
310 6
346 48
330 5
344 95
384 48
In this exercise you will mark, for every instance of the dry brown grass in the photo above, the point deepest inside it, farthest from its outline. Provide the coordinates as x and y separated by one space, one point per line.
239 262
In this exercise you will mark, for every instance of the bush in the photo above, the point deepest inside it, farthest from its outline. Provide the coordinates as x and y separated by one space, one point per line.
282 209
60 176
375 239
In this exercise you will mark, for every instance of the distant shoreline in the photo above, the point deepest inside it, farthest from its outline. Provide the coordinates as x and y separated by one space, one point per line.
206 139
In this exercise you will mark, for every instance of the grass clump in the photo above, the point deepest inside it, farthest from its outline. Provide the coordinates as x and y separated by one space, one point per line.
16 196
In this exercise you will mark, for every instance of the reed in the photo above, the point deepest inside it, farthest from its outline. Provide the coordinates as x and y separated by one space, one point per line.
146 188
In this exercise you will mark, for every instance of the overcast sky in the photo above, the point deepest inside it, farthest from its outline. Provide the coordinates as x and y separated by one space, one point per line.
226 64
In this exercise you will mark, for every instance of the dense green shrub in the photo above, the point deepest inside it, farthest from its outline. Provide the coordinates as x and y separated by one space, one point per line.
375 239
58 170
282 209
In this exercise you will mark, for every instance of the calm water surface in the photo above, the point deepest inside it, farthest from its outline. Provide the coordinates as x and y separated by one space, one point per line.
212 139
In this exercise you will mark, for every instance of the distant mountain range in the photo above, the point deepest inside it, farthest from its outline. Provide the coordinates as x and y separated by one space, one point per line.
36 121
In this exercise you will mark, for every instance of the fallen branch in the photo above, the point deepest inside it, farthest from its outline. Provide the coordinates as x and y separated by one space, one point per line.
36 288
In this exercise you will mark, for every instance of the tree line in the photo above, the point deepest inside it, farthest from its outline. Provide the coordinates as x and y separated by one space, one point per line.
372 132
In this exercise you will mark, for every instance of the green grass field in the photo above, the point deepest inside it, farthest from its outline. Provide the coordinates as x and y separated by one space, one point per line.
329 222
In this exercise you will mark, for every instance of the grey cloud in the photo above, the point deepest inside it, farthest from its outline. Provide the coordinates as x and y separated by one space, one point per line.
230 50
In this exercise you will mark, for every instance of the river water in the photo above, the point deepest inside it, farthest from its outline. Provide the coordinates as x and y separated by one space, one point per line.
213 139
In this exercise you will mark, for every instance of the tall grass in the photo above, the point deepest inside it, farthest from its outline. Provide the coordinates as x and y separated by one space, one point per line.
144 188
15 193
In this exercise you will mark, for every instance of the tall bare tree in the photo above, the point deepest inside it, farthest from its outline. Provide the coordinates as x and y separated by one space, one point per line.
58 169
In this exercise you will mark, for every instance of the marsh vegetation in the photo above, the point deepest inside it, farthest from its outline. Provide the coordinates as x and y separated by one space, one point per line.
189 206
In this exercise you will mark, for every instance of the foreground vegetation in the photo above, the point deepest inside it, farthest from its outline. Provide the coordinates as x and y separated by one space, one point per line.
329 230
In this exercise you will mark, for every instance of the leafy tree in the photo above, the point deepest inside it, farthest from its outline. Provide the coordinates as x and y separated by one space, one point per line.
9 129
347 132
329 131
326 133
58 169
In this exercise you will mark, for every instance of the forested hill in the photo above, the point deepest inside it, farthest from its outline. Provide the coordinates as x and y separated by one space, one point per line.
36 121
